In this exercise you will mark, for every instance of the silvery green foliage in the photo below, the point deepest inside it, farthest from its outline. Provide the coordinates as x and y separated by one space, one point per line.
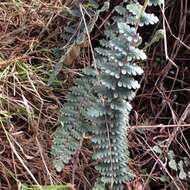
69 138
99 102
143 18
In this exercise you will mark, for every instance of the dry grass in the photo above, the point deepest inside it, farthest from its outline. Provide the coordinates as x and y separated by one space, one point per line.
29 30
29 108
162 115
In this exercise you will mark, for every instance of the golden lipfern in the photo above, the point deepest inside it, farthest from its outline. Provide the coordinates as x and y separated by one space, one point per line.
99 102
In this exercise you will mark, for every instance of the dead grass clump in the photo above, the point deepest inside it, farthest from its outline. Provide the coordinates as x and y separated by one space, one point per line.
29 33
29 30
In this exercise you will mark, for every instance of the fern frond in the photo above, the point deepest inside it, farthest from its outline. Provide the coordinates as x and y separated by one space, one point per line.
143 17
99 103
111 150
68 138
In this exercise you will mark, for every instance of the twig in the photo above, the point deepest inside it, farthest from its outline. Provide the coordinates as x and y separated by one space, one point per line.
158 126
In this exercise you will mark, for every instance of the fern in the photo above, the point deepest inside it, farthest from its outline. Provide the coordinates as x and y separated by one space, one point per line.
99 103
156 2
69 138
